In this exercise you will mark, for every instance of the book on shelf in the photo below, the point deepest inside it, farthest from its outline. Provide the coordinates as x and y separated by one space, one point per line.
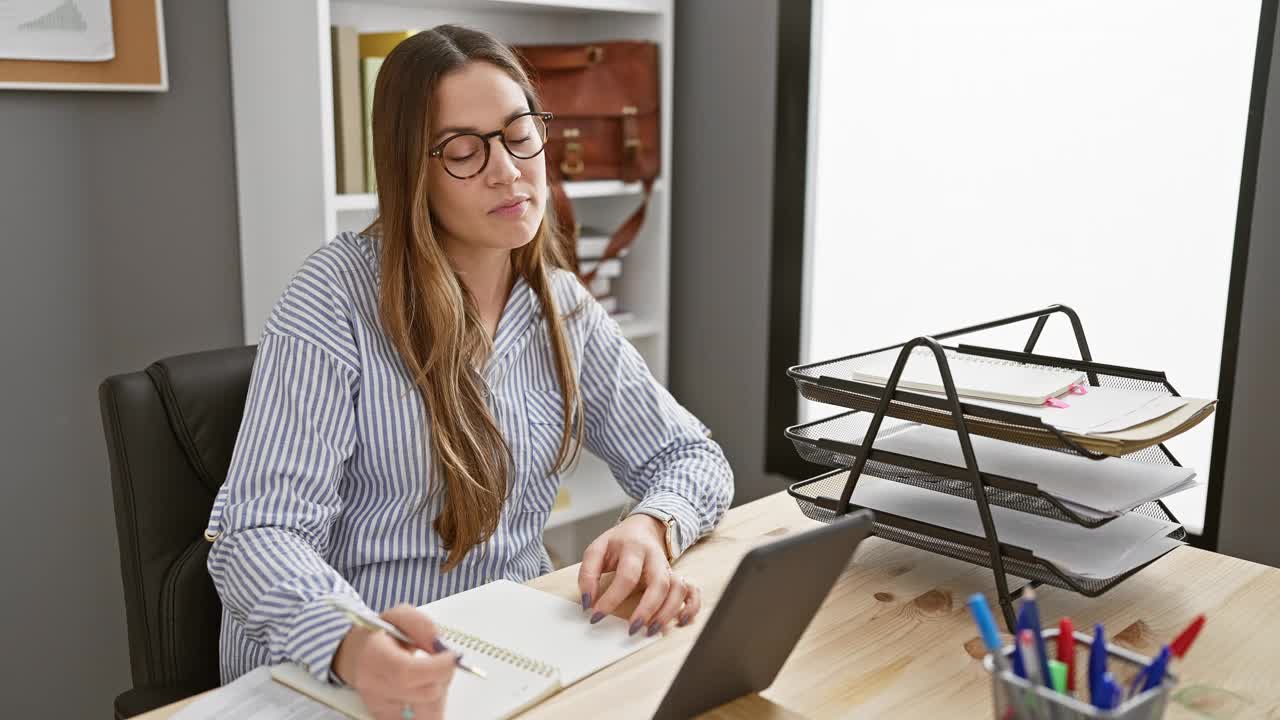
373 48
610 268
348 130
591 246
592 242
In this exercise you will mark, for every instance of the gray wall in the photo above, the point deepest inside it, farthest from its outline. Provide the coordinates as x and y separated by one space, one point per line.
1251 493
120 247
721 215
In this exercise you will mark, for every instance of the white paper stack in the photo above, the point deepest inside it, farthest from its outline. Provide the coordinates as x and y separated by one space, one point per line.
1093 489
1103 552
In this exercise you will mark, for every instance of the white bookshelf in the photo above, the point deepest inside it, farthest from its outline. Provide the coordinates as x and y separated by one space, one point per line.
285 168
368 202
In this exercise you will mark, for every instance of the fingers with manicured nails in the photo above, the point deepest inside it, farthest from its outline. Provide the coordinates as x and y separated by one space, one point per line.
677 594
392 675
692 604
415 624
625 579
657 580
590 569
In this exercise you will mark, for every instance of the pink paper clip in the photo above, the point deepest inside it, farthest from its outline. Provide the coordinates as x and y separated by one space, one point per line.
1056 403
1078 389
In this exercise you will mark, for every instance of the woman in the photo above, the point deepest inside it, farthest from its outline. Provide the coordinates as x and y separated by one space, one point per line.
418 388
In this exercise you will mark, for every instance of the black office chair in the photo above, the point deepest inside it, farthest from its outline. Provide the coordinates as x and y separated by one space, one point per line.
170 432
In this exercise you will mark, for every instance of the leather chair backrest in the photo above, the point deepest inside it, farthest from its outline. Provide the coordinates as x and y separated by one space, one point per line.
170 433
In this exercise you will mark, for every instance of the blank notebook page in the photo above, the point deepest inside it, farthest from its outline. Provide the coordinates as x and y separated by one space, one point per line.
539 626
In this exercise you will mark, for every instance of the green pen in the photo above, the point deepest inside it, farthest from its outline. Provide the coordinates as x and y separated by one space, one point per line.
1058 670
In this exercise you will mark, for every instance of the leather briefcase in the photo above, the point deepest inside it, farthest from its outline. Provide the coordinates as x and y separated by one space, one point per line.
605 99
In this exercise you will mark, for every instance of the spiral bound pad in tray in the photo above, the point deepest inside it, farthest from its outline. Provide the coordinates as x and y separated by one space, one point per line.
817 496
829 382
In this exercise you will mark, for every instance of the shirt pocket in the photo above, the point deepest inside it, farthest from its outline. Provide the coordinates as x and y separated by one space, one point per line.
535 462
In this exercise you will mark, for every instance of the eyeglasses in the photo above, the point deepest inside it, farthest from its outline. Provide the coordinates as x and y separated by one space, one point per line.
466 155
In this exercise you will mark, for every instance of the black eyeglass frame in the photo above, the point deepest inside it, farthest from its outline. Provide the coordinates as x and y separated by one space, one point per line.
438 150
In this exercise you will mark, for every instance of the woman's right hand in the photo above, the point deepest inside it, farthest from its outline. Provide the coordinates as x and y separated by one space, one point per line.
391 677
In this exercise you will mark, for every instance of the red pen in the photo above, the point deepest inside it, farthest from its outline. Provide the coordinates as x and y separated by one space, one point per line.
1182 643
1067 651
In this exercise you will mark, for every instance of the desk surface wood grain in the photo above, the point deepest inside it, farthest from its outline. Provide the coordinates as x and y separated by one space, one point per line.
894 638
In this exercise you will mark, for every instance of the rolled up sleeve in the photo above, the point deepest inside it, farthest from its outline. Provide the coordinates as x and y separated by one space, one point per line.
660 454
272 517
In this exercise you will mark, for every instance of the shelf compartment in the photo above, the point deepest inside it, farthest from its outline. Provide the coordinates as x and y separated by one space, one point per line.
817 499
825 382
366 202
639 7
836 442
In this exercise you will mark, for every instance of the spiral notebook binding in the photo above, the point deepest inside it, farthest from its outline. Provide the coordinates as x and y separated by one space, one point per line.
484 647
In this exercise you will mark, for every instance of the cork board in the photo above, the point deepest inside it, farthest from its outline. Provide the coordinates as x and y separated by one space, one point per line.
139 62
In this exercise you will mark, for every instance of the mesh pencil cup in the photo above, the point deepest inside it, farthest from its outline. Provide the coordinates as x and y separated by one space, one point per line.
1014 697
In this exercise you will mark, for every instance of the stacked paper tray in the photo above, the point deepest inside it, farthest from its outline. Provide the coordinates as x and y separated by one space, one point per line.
817 498
1061 486
829 382
817 443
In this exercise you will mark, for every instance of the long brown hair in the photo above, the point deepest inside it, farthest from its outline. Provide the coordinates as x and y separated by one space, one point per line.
426 310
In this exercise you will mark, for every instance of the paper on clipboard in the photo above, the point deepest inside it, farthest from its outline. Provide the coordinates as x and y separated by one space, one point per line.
59 30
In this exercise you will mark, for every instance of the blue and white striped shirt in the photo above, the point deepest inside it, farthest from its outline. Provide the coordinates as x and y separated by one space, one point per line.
329 492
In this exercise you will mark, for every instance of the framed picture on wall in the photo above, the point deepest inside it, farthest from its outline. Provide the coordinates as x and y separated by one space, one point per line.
83 45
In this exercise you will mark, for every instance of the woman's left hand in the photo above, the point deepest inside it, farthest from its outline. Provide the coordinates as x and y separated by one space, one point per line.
634 551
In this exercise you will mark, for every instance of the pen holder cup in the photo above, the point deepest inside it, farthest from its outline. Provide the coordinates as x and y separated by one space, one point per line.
1014 697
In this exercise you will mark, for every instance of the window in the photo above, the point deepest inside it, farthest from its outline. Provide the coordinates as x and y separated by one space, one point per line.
969 161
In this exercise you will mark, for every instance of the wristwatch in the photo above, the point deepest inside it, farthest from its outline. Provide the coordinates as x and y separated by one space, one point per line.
671 538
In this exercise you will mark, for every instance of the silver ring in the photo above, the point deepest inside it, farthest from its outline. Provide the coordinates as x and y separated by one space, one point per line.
406 712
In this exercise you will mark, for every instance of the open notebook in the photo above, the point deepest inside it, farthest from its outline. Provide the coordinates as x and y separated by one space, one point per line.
530 644
974 376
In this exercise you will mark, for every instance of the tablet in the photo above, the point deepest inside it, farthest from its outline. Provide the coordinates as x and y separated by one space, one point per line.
762 613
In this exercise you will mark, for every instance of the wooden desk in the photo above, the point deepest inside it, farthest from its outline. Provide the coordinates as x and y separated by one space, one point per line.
894 638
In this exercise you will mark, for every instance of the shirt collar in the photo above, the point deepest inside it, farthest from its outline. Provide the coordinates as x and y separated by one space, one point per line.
518 317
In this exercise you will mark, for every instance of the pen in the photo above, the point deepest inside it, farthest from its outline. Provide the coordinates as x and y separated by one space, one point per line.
1020 659
1110 695
981 612
377 623
1033 619
1058 672
1097 665
1027 642
1067 651
1182 643
1156 670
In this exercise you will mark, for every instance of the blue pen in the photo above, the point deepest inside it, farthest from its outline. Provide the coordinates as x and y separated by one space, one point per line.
1097 666
1019 663
987 628
1156 670
1033 619
1110 693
